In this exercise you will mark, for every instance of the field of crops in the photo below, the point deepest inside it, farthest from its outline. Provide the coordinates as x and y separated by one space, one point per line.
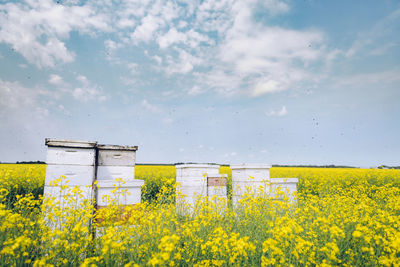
348 217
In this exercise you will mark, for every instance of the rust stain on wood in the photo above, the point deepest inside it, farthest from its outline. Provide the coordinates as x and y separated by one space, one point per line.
216 181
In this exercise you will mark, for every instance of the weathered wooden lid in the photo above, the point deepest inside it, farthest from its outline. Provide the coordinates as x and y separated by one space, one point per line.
116 147
196 165
69 143
250 166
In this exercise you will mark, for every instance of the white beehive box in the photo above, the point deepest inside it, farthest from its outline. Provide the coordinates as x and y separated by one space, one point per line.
192 182
116 162
67 197
286 185
250 172
75 174
249 178
113 155
192 173
73 159
113 172
130 197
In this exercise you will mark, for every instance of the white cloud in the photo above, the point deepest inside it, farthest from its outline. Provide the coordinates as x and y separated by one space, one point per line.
275 6
381 50
279 113
171 37
218 43
182 24
56 79
64 110
231 154
111 47
150 107
133 67
264 59
87 91
168 120
184 64
368 79
270 86
377 39
158 59
35 29
147 29
19 102
196 90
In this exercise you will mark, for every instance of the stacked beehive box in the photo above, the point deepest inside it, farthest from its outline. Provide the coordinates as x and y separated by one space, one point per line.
287 186
192 182
250 178
117 162
74 160
82 163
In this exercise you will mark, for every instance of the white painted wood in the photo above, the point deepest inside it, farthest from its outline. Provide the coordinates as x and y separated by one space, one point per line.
287 185
76 174
219 191
71 156
250 172
116 157
105 188
190 190
196 170
127 173
188 195
67 197
249 178
250 187
191 181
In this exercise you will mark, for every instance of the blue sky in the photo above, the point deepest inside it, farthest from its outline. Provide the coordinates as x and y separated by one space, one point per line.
229 81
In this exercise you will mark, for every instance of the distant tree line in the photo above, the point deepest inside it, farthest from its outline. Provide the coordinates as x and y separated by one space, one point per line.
314 166
388 167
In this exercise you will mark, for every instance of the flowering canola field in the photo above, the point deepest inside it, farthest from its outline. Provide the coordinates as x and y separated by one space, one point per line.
348 217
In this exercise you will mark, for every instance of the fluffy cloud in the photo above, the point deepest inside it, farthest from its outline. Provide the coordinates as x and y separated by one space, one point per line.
218 44
280 113
18 102
56 79
267 59
149 107
36 29
87 91
270 86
